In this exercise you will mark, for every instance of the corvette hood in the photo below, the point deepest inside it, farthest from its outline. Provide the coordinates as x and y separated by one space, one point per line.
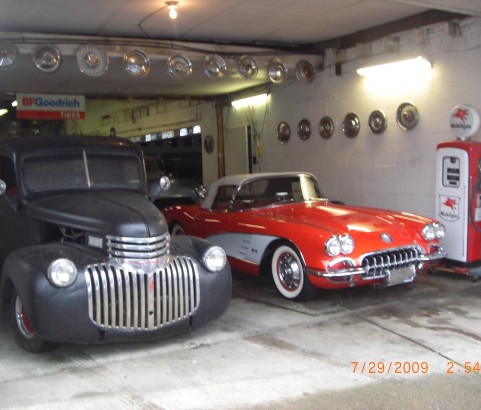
117 213
341 219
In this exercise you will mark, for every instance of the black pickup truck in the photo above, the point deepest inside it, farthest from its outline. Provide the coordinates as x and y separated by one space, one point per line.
86 258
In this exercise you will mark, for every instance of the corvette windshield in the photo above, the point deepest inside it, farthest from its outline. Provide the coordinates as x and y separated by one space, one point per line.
82 170
268 191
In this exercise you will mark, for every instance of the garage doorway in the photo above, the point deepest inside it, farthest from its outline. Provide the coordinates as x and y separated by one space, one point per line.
239 157
181 154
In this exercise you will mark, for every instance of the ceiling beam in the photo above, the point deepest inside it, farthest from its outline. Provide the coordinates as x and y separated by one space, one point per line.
375 33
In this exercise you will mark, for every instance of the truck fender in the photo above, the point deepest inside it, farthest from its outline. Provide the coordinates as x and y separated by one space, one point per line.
26 269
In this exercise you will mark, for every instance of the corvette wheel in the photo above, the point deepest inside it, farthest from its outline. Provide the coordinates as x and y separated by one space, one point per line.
288 274
24 334
177 230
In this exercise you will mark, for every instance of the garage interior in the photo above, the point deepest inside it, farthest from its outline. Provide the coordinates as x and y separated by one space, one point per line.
265 352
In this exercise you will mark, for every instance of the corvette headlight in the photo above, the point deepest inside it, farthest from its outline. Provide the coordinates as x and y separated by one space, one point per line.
336 245
62 273
333 246
433 231
347 244
440 230
428 232
214 258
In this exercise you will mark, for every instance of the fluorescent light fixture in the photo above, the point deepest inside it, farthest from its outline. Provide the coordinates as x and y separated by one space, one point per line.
3 111
250 101
399 77
14 103
411 67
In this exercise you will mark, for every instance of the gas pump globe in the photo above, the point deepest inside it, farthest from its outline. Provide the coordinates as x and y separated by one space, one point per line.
458 193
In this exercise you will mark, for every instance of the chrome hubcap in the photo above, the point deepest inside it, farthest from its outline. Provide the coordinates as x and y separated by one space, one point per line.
22 320
289 271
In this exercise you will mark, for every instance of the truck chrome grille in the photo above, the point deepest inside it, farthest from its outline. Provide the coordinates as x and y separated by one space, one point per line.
124 299
123 248
376 264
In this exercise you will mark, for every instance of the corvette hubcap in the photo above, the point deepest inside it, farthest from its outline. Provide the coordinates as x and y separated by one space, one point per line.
289 272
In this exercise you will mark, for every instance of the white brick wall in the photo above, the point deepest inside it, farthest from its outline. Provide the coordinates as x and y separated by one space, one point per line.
395 170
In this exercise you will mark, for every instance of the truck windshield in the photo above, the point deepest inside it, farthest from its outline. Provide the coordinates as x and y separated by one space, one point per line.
83 170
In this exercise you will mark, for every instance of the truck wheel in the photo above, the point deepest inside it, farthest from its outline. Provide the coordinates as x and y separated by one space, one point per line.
289 275
23 332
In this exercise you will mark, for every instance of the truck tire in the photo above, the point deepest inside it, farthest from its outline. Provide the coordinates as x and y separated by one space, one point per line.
23 332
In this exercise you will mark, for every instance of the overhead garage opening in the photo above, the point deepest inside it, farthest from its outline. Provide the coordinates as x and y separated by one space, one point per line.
179 150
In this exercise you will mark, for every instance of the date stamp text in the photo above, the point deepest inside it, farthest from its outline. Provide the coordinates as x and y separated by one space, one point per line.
412 367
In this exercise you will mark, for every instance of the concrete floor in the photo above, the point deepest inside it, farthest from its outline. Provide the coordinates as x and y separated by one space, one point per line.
409 342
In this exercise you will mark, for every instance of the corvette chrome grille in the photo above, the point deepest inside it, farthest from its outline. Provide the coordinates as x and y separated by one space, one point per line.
125 299
123 248
376 264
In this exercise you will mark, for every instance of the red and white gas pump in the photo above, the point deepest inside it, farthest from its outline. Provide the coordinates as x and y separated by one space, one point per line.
458 193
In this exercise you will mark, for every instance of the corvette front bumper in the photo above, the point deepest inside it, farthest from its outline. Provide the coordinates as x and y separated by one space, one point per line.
379 265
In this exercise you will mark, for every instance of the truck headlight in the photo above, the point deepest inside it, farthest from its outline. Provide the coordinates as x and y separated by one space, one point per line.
214 258
62 272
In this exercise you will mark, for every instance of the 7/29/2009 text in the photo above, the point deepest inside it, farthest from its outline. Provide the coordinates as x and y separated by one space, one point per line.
412 367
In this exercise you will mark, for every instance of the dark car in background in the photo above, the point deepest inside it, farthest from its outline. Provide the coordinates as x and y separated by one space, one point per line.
87 258
175 191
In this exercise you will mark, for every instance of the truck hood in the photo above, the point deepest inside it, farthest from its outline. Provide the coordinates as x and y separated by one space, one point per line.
116 213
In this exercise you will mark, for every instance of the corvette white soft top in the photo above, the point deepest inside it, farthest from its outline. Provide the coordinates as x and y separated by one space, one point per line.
241 179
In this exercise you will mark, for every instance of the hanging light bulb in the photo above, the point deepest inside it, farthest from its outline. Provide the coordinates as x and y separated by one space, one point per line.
172 6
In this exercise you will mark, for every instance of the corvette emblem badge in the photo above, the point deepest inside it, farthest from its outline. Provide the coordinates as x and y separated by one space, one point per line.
386 238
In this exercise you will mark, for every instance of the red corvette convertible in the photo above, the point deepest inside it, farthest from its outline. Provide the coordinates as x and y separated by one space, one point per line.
282 223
